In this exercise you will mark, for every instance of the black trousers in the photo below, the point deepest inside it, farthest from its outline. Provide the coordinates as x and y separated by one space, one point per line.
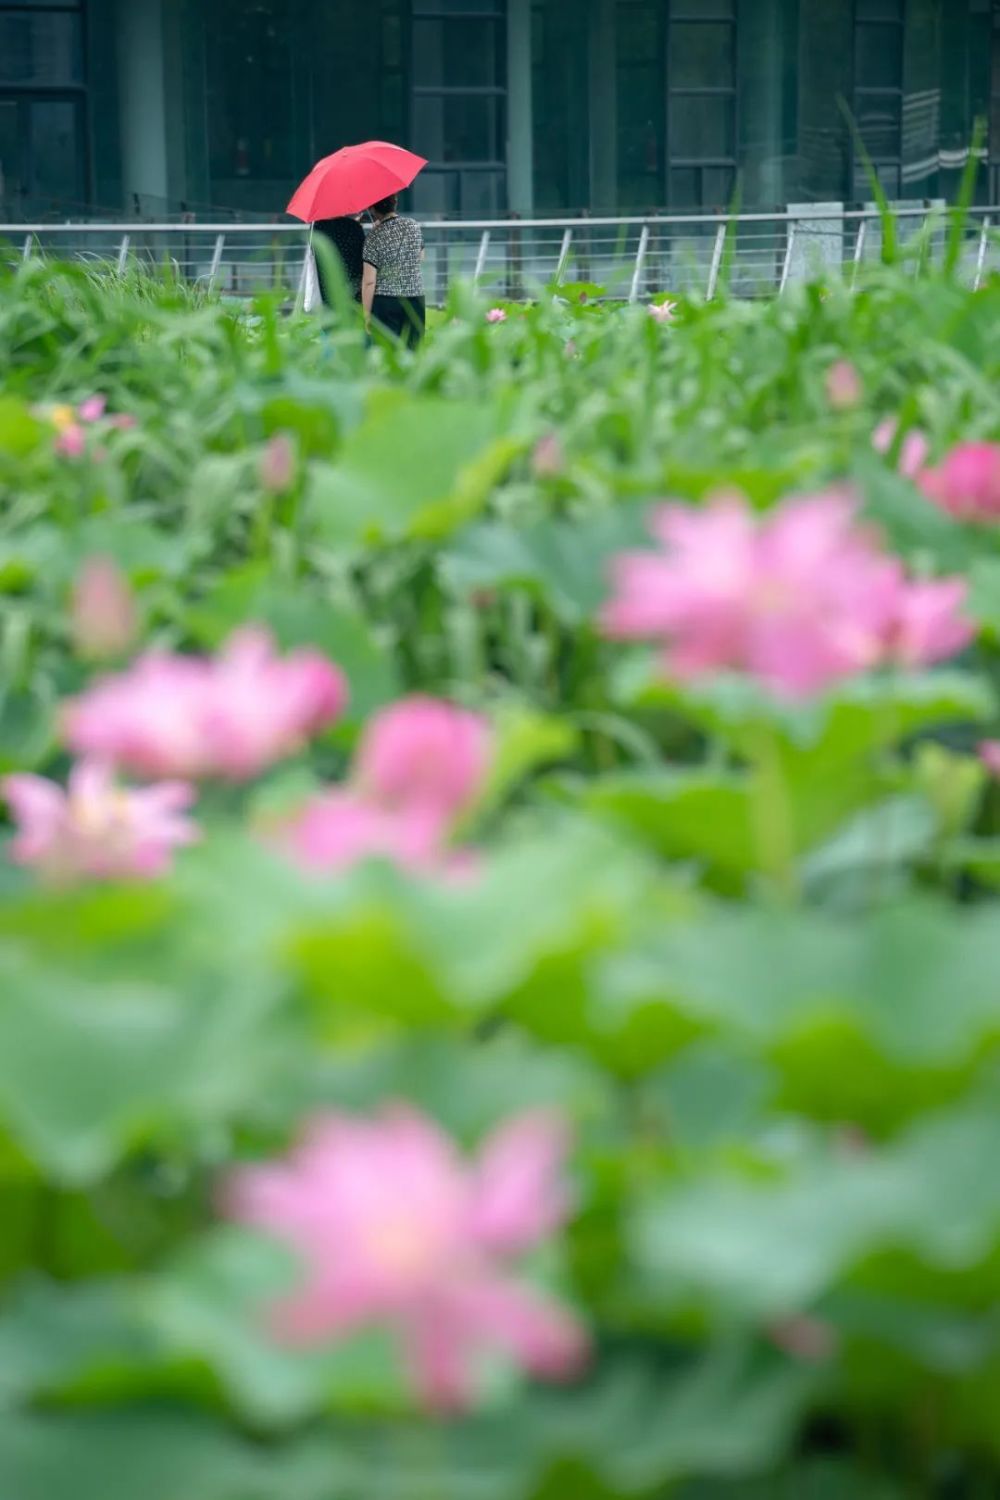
404 317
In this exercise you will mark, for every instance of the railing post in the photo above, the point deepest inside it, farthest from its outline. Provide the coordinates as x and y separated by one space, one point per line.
859 250
716 263
481 254
787 263
981 254
123 254
217 253
640 261
567 241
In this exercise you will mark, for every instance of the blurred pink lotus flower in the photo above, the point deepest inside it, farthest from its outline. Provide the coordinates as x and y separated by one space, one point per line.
95 829
394 1228
496 315
71 442
232 715
70 421
93 409
914 450
548 458
340 829
928 624
843 385
797 599
421 764
424 755
966 483
806 1339
277 465
989 754
103 613
662 312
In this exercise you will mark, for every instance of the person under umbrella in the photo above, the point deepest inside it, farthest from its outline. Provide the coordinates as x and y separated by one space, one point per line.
392 283
346 237
343 185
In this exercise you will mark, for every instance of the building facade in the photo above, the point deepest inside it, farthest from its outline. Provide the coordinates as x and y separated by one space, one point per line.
549 107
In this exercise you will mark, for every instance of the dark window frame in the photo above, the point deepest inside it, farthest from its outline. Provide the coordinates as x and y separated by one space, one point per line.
73 93
496 16
724 161
862 92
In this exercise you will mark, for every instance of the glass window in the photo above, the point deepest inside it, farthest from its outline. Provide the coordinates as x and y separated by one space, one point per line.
701 56
879 57
641 111
11 166
55 159
251 93
457 7
561 107
457 127
450 53
41 164
638 37
702 187
392 41
717 185
878 93
879 10
685 188
701 125
703 10
458 103
889 178
879 124
701 110
40 49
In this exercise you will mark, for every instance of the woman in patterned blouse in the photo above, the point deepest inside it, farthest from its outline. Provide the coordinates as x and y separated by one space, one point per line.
392 284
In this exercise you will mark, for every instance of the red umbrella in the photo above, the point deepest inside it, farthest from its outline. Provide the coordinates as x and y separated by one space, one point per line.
353 179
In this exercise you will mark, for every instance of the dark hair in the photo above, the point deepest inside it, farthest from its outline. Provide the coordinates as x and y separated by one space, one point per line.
385 205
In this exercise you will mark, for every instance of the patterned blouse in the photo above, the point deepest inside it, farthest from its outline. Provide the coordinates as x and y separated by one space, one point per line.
394 248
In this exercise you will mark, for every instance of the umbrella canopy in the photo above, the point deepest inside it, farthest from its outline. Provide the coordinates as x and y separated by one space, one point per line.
353 179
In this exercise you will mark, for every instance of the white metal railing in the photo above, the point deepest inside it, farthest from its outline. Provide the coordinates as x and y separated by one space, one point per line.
627 258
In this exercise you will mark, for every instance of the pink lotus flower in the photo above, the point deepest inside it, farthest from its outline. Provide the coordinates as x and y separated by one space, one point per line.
103 613
340 829
989 754
71 442
93 409
548 459
806 1339
496 315
95 829
393 1228
797 599
277 465
421 764
662 312
232 715
967 483
928 625
843 385
424 755
914 450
